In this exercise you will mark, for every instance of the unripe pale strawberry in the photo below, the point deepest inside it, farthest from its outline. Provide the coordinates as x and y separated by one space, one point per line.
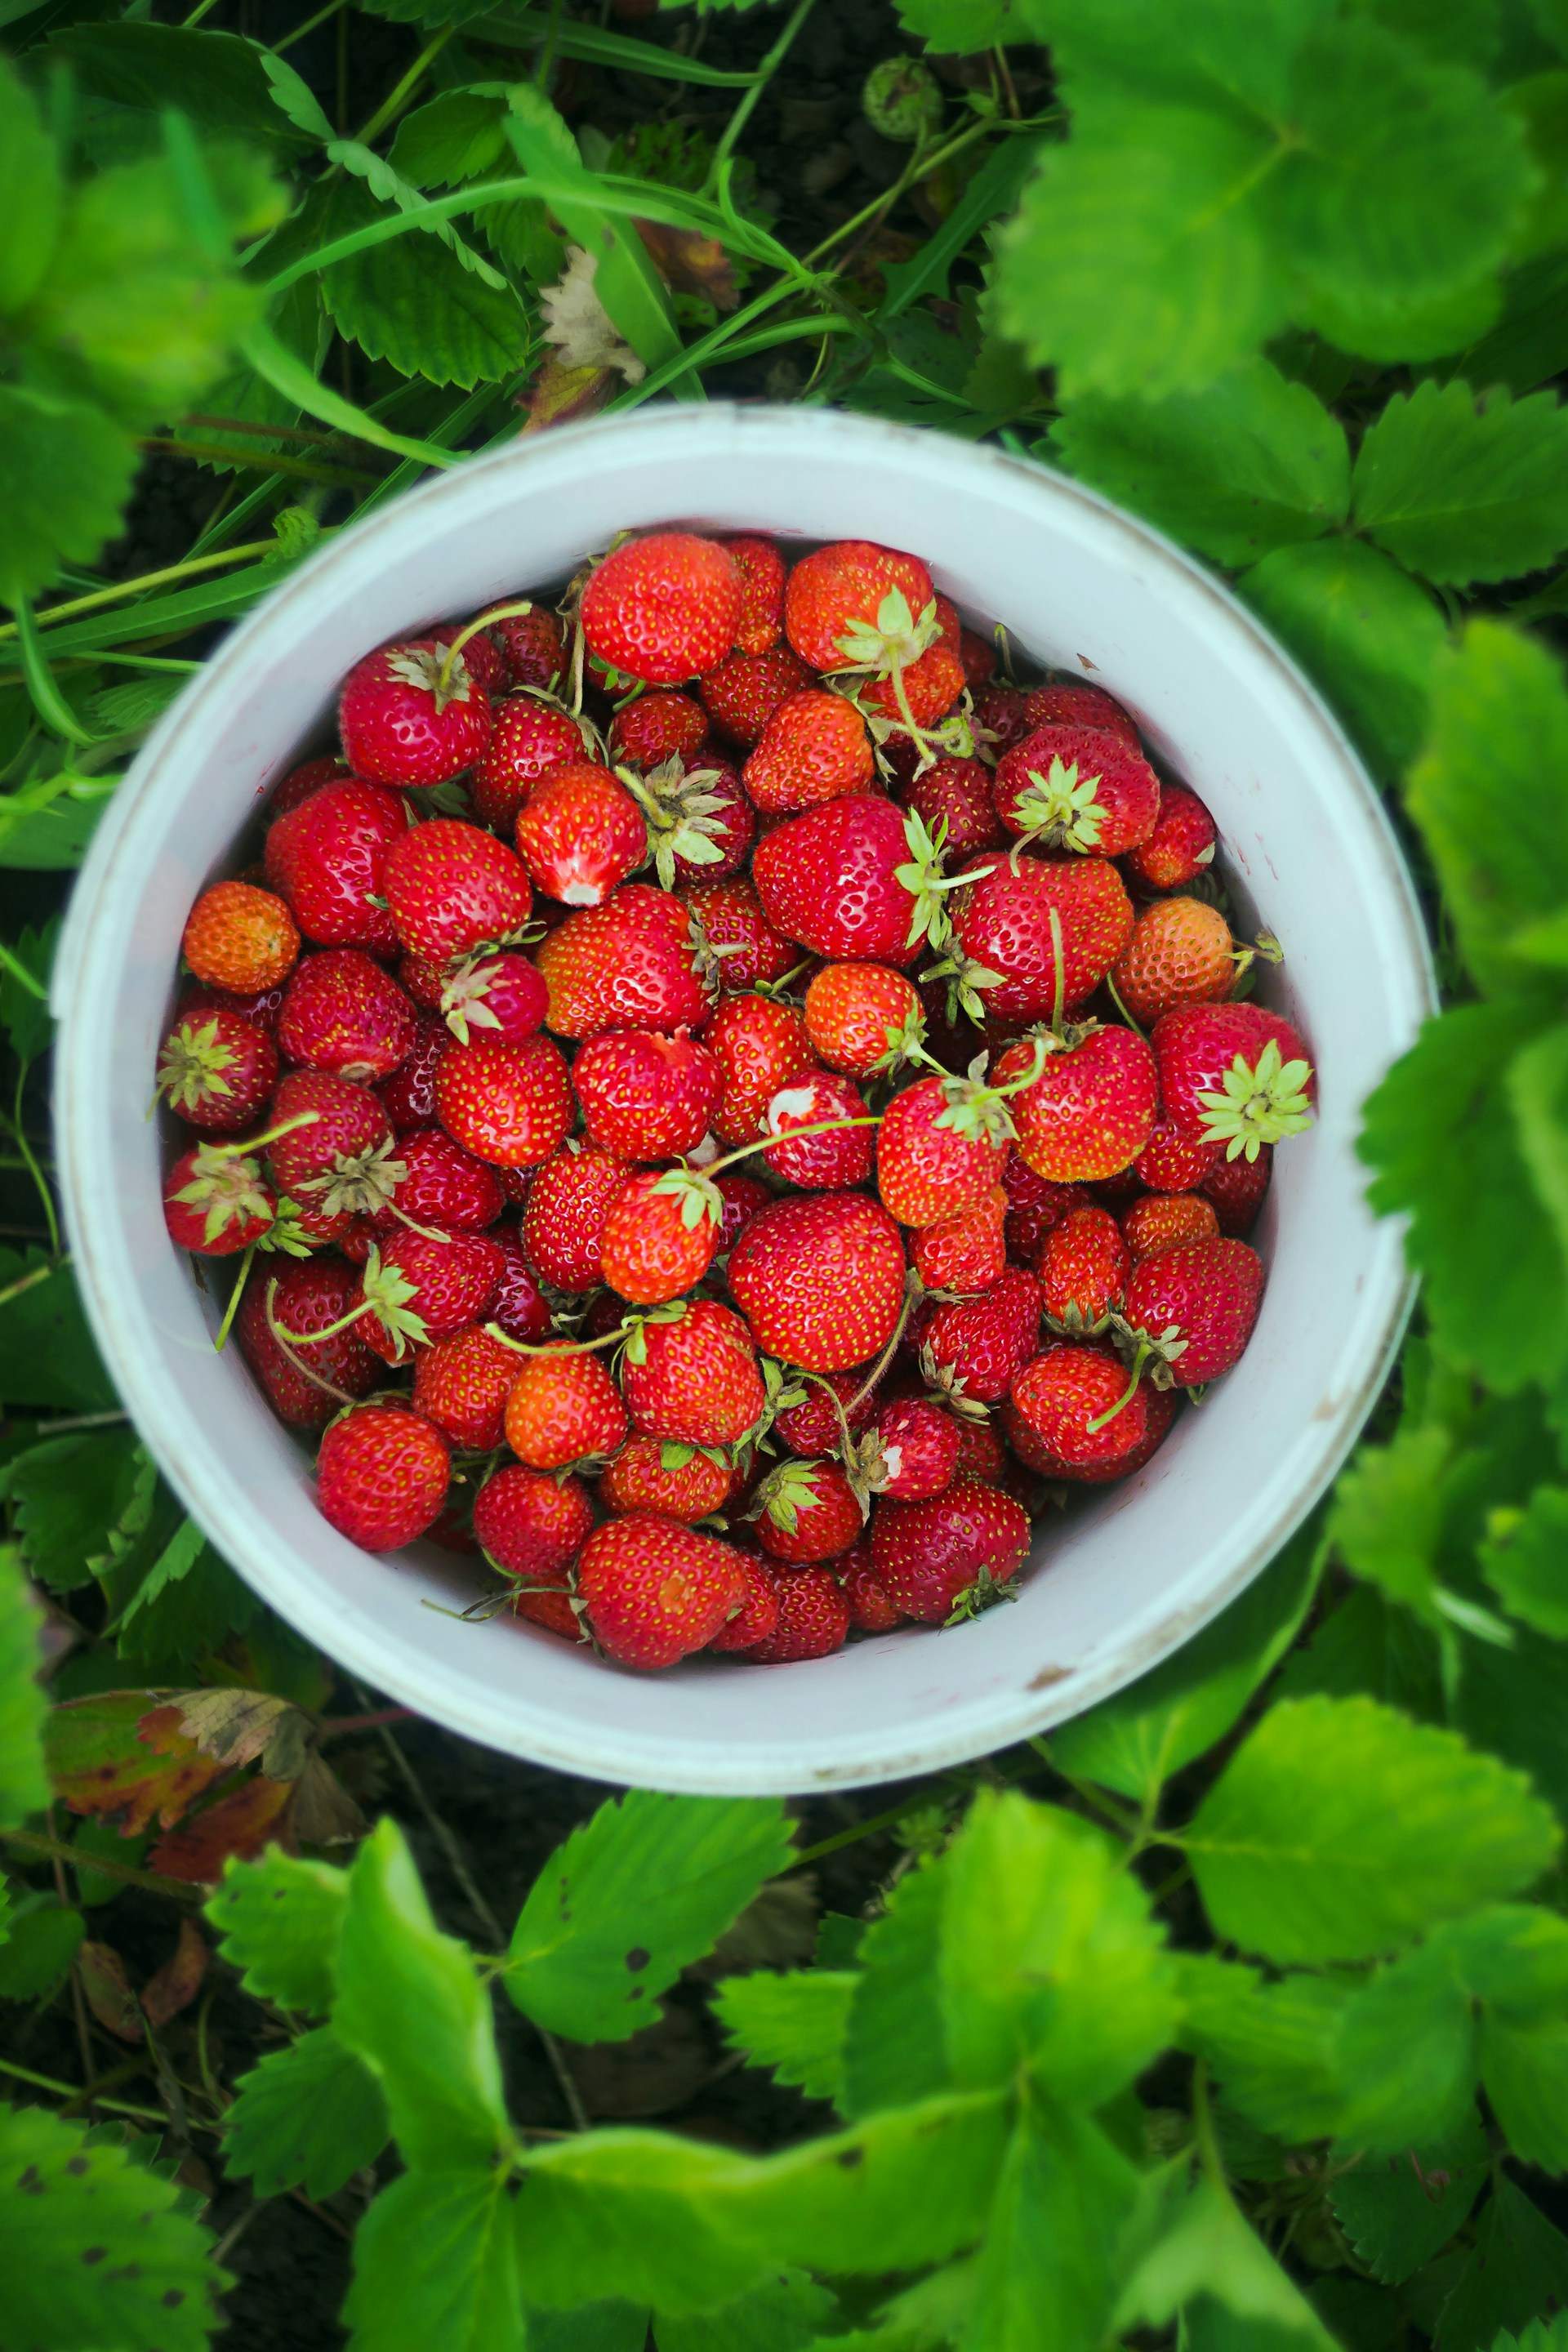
1181 952
240 937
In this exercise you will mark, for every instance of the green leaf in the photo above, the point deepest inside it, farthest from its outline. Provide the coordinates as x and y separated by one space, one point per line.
389 188
1396 325
1525 1561
1368 637
24 1016
1134 1742
1537 1084
47 1355
65 2194
434 2263
794 2023
294 98
307 2116
65 475
961 27
294 379
413 303
456 137
895 2048
1397 2212
785 2314
173 1564
1045 2275
1209 2255
639 1892
1517 2266
1528 343
278 1921
24 1785
1459 489
93 1839
1390 1512
29 197
1252 463
410 2001
1227 55
43 1939
1291 1861
71 1496
592 2327
1272 2045
219 80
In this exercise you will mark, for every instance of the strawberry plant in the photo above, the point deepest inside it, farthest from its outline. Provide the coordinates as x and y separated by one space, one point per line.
1234 2011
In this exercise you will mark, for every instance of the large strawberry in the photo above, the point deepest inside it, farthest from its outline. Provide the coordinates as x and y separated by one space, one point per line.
533 735
1078 788
653 728
646 1097
381 1475
580 834
1091 1107
820 1279
216 1070
413 714
327 858
1181 952
942 1142
814 748
629 965
663 609
563 1219
759 1043
862 1017
343 1012
742 695
654 1590
834 600
678 1482
441 1184
564 1410
509 1105
307 1381
1074 1401
967 1253
942 1560
1036 934
1189 1311
529 1524
1159 1412
1182 845
1233 1074
701 825
972 1348
659 1235
856 880
332 1146
240 937
689 1376
452 888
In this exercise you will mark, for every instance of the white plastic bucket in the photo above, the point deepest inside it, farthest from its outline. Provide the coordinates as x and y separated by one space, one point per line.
1116 1586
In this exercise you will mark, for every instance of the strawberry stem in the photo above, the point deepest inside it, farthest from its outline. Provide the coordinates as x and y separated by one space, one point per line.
785 1135
558 1346
1102 1420
1115 995
261 1142
235 1295
913 1286
1059 963
496 613
282 1338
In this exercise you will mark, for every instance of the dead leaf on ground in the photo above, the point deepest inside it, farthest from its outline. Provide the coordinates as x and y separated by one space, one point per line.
176 1984
690 263
107 1989
578 328
561 395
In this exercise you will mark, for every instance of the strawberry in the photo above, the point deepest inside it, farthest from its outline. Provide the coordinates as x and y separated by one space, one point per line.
828 1403
742 695
805 1511
424 1286
813 1619
820 1279
947 1558
502 996
1190 1311
855 880
654 1590
734 937
328 859
292 790
1161 1220
216 1070
261 1005
659 1235
511 1105
916 693
1076 788
870 1610
413 714
814 748
1182 845
532 646
676 1482
833 602
452 889
981 1452
834 1162
859 1016
564 1221
629 965
1059 1395
1168 1164
520 1308
956 795
381 1477
531 736
911 1451
1083 1266
1000 718
759 1043
239 938
663 609
1071 704
1034 1205
532 1527
646 1097
1233 1074
1091 1108
690 1376
762 569
564 1410
944 1142
701 825
759 1612
740 1197
1005 959
338 1159
341 1011
978 655
658 726
461 1382
1236 1188
963 1253
441 1184
580 834
215 1203
1159 1412
305 1381
971 1349
1181 952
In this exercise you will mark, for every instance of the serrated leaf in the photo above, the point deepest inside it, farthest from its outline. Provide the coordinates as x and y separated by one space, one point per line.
66 471
71 1496
592 2327
1227 55
175 1561
307 2116
1367 636
1270 2045
279 1920
1397 2212
895 2049
1459 489
794 2022
960 27
1292 1862
1395 325
452 138
293 96
389 188
47 1355
219 80
29 195
1517 2266
1209 2255
434 2263
23 1784
785 2314
1390 1512
1528 342
1525 1561
411 303
44 1938
640 1890
1045 2273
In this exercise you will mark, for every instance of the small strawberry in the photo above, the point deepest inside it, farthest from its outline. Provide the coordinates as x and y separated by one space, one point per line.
813 1619
690 1376
971 1349
911 1450
820 1279
676 1482
381 1477
1074 705
413 714
511 1105
1083 1266
532 1526
292 790
1161 1411
944 1142
836 1162
805 1511
1189 1311
461 1382
759 1043
833 602
1169 1164
758 1614
1074 1401
978 655
564 1410
743 693
502 996
1076 788
659 1235
701 825
861 1017
1000 717
654 1590
1182 845
240 937
981 1452
533 645
307 1381
216 1070
658 726
870 1610
216 1202
1162 1221
629 965
563 1219
1181 952
663 609
1236 1188
965 1254
1037 935
740 1197
955 794
580 834
531 736
261 1005
830 1404
1233 1074
328 859
1090 1109
520 1308
855 880
344 1012
424 1286
814 749
452 889
947 1558
1034 1205
734 937
441 1184
761 569
338 1154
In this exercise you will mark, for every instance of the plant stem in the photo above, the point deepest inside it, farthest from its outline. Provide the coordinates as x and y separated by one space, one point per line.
26 1282
852 1836
301 32
45 1848
40 1182
263 461
764 74
397 98
69 2091
124 588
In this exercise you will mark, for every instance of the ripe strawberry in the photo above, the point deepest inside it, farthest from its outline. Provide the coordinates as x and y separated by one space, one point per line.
1161 1220
742 695
981 1452
947 1558
658 726
1070 704
820 1279
833 1162
1003 925
328 859
967 1253
1168 1164
701 825
413 714
215 1203
814 748
551 1601
834 596
942 1145
629 965
659 1235
663 609
487 664
1181 952
858 1015
736 939
676 1482
531 736
805 1511
564 1410
692 1379
870 1610
956 793
340 1158
978 655
759 1612
827 1401
1083 1266
533 645
917 693
564 1221
532 1526
502 996
520 1308
1089 1111
759 1043
1076 788
342 1012
1236 1188
911 1451
441 1184
216 1070
292 790
305 1381
740 1197
452 889
239 938
971 1349
261 1005
1074 1383
1182 845
812 1622
1034 1205
1191 1309
461 1383
511 1105
1159 1412
1000 717
580 834
421 1287
654 1590
762 569
855 880
381 1477
646 1097
1233 1074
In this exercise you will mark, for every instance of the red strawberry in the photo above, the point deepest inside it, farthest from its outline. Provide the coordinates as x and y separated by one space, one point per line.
870 1610
911 1451
945 1559
701 825
759 1043
341 1011
812 1622
942 1145
741 1196
564 1221
413 714
1181 952
1182 845
1078 788
1060 1394
452 889
580 834
531 736
645 1096
1236 1188
532 1526
677 1482
461 1382
663 609
981 1452
1233 1074
762 569
441 1184
629 965
759 1612
216 1070
262 1005
1074 705
978 655
328 859
858 1015
833 1162
564 1410
1083 1267
1192 1310
827 1402
805 1511
658 726
292 790
972 1349
1000 718
659 1235
967 1253
956 795
654 1591
1159 1221
814 748
1003 926
917 693
511 1105
306 1383
833 602
239 938
734 937
381 1477
692 1379
742 694
215 1203
1034 1205
1089 1111
1167 1164
533 645
502 997
1159 1412
339 1158
820 1279
855 881
488 665
520 1308
424 1286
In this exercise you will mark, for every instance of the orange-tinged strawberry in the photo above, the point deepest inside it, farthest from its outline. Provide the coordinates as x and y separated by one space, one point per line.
663 608
1189 1311
381 1475
677 1482
240 937
1029 920
563 1409
580 834
1181 952
413 714
461 1383
814 748
532 1526
813 1619
629 965
564 1217
944 1559
659 1235
1236 1075
531 736
1083 1266
1159 1221
1182 845
1090 1109
834 596
759 1043
1060 1394
820 1279
690 1376
654 1590
761 569
1077 789
509 1105
861 1017
742 695
805 1511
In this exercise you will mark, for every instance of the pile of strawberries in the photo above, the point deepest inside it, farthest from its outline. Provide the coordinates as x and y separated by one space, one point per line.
723 1102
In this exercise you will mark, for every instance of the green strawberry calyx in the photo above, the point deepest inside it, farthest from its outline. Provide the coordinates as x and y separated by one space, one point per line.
947 1386
685 818
984 1593
979 1112
439 670
788 1489
1258 1103
922 877
1060 808
192 1064
896 638
227 1188
360 1184
696 1194
388 1296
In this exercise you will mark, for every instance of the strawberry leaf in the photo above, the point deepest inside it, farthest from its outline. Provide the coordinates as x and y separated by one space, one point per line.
1373 641
1461 488
24 1786
278 1921
794 2022
307 2116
